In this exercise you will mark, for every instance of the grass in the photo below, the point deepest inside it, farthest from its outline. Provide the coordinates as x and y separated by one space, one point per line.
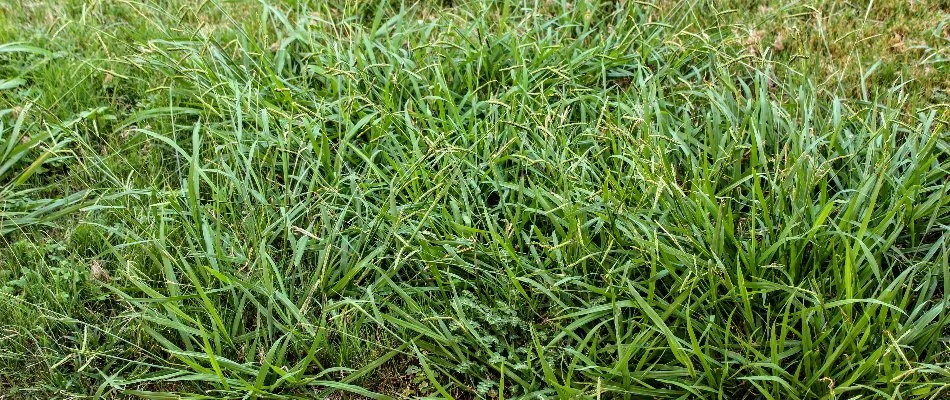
487 199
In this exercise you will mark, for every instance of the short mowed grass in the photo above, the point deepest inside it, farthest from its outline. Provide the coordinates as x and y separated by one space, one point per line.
474 199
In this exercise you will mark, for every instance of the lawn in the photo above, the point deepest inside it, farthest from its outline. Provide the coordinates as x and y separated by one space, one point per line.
493 199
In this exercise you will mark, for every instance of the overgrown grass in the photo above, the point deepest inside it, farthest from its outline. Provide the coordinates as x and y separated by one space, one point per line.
488 199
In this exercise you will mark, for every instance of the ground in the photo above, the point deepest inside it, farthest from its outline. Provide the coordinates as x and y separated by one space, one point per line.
486 199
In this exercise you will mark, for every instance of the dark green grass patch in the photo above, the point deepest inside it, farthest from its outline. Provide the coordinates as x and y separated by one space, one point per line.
458 200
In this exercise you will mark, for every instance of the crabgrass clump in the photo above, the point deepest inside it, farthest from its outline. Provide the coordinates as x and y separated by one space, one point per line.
489 199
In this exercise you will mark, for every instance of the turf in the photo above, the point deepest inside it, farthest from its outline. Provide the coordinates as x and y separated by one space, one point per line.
485 199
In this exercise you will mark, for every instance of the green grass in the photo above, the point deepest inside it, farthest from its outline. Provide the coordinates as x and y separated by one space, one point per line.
486 199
